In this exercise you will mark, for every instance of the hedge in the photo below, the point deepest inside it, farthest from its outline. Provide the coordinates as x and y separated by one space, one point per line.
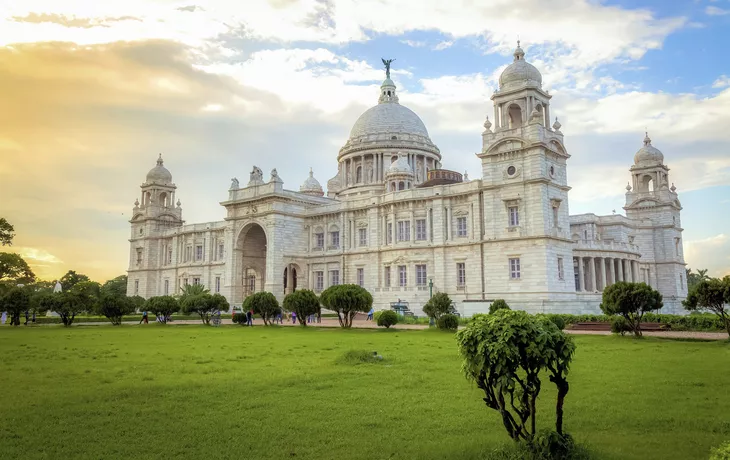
694 322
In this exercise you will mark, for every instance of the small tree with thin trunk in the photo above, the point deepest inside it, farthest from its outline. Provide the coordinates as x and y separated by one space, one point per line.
303 302
67 304
631 300
162 306
346 300
263 304
114 307
711 295
15 302
439 304
204 305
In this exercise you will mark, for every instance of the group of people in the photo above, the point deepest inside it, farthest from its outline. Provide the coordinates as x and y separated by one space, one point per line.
29 317
283 316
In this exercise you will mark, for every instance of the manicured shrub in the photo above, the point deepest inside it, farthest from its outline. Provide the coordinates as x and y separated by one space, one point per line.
162 306
346 300
498 304
721 453
504 353
619 325
376 315
439 304
448 322
114 307
204 305
239 318
263 304
632 301
387 318
711 295
304 302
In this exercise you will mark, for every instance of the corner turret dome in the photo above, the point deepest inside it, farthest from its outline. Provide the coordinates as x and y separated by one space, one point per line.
159 174
648 154
519 73
400 167
311 186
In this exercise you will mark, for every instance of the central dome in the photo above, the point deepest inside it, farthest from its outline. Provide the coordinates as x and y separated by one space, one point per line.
520 72
386 119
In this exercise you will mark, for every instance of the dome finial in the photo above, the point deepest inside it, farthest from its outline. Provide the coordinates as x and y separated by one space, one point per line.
647 139
518 54
159 160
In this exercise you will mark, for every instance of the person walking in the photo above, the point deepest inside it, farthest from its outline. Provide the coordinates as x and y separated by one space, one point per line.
27 314
249 318
294 317
370 315
144 318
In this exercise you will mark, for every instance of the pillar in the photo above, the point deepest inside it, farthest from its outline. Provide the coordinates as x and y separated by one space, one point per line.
448 223
620 269
592 273
581 278
496 117
603 273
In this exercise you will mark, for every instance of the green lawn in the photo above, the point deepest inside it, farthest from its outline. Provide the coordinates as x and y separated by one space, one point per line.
271 393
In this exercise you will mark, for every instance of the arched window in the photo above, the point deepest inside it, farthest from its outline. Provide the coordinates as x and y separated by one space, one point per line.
358 175
163 199
515 116
647 183
401 185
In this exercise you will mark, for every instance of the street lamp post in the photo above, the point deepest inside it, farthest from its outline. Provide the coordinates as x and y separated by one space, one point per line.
430 288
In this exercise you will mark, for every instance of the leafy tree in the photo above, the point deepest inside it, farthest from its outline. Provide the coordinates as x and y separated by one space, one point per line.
263 304
448 322
71 278
711 295
630 300
6 232
694 279
116 286
346 300
137 302
498 304
66 304
504 353
439 304
14 269
304 303
193 289
15 302
114 306
387 318
204 305
162 306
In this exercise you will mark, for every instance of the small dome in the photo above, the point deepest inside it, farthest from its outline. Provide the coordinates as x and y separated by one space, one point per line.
648 154
159 174
519 73
400 167
311 186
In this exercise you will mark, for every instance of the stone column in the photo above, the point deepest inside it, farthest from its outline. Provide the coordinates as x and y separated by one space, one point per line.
630 270
394 230
620 269
496 117
448 223
412 228
547 116
581 278
603 273
592 273
637 272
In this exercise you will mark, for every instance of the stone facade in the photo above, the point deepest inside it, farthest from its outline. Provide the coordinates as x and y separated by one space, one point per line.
386 226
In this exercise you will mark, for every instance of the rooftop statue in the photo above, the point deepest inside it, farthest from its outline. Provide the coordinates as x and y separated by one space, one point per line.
387 66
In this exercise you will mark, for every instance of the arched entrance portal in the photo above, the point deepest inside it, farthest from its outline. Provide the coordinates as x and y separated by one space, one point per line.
291 278
252 259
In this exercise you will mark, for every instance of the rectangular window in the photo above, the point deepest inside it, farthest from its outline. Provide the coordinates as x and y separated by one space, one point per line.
421 230
363 234
136 287
389 233
461 227
217 284
514 269
514 216
319 240
318 281
199 252
404 230
561 274
221 251
334 277
139 256
555 217
420 275
188 253
196 281
402 276
387 277
335 239
361 277
167 287
460 274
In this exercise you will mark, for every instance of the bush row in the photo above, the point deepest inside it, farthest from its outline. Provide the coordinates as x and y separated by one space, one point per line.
692 322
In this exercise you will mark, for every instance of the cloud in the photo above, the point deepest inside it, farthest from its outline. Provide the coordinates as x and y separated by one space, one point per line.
715 11
703 253
443 45
415 43
722 82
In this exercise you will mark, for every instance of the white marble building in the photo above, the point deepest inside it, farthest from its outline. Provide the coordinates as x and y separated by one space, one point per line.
394 222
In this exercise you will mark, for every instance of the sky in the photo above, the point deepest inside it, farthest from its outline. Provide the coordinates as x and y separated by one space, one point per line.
92 92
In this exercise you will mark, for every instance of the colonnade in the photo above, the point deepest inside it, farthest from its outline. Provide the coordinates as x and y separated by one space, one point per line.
378 166
596 273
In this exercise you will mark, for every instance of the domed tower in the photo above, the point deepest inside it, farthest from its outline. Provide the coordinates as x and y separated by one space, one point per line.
377 139
653 204
153 213
311 186
399 175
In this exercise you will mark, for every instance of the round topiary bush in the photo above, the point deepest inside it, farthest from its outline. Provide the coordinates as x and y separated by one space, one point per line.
498 304
619 325
448 322
239 318
387 318
721 453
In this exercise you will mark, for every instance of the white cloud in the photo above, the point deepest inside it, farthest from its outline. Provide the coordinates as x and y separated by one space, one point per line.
715 11
414 43
722 82
443 45
712 253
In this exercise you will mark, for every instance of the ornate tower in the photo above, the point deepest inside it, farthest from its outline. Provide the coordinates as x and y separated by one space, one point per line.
153 213
654 206
524 170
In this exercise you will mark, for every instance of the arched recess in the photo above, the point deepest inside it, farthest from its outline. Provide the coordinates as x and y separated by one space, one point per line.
401 185
647 183
494 148
250 274
293 278
358 175
163 199
515 116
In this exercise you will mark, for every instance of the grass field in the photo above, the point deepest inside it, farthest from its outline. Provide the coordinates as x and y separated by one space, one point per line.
271 393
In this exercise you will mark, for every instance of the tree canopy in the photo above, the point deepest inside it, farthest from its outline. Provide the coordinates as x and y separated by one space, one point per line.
71 278
162 306
439 304
204 305
346 300
14 269
303 302
6 232
116 286
263 304
15 302
711 295
114 306
498 304
631 300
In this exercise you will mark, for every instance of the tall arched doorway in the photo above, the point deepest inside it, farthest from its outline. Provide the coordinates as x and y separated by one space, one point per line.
291 278
251 261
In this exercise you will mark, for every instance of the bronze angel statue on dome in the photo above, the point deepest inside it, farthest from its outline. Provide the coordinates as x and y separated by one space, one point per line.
387 62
